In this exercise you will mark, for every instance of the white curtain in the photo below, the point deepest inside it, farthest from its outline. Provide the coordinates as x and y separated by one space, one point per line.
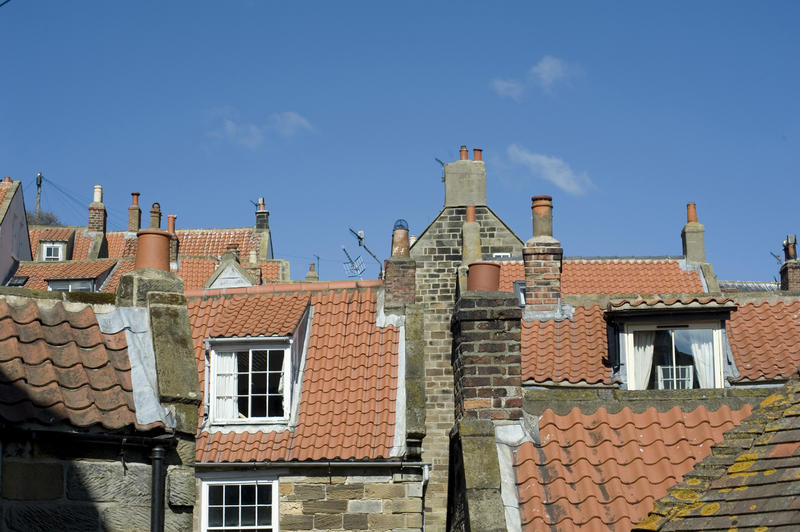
701 344
225 406
643 358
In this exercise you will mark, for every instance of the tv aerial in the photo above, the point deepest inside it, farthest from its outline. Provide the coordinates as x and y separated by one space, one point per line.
353 267
360 236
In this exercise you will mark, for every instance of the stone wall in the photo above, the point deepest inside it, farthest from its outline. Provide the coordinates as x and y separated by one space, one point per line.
438 254
372 499
53 483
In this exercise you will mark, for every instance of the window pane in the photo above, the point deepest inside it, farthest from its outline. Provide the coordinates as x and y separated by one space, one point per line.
695 347
275 406
264 515
215 517
231 494
259 381
264 495
259 361
274 382
259 403
244 406
248 494
248 515
243 362
275 360
232 516
662 359
215 495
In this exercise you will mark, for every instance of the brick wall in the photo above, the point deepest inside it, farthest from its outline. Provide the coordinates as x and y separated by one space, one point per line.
51 484
790 275
543 262
486 356
399 281
438 255
373 499
97 218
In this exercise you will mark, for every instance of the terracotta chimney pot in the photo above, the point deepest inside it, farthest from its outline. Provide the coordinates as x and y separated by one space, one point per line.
691 213
471 213
134 198
152 249
542 212
477 154
400 239
171 223
484 276
464 153
98 194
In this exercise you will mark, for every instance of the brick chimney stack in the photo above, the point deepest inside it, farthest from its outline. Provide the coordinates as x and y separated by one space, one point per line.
97 212
790 269
693 236
542 257
155 216
134 214
401 271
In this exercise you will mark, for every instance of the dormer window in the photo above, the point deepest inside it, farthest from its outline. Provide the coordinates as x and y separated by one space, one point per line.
53 251
677 344
251 383
673 357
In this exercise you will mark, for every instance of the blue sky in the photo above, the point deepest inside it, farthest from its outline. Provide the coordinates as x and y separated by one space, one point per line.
336 111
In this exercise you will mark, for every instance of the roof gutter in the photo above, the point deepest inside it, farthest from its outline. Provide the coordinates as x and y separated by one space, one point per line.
317 464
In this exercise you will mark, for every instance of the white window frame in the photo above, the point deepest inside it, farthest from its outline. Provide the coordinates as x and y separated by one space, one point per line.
229 345
69 285
630 361
58 246
226 479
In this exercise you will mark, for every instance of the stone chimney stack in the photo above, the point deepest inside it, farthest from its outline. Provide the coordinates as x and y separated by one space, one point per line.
312 274
173 238
465 180
134 214
693 236
401 271
155 216
542 257
262 215
790 269
97 212
470 238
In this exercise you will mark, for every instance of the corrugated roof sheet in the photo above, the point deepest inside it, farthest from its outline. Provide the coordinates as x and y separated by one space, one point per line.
614 276
756 489
602 471
58 368
347 407
39 272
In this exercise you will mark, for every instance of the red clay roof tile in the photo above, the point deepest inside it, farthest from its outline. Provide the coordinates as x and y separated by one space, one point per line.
214 242
604 470
121 244
48 234
39 272
614 276
347 408
57 367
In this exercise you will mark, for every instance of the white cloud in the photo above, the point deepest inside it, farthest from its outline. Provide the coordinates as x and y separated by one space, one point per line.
552 169
289 123
251 135
507 88
548 71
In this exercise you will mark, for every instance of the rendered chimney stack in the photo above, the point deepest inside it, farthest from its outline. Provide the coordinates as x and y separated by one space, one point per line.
542 257
173 238
470 238
312 274
134 213
693 236
465 180
262 215
790 269
152 248
97 212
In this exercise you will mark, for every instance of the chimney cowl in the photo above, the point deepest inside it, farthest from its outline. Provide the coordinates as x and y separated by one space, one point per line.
790 247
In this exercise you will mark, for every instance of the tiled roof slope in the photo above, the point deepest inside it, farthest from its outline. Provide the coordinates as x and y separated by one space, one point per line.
54 234
570 350
39 272
195 271
122 267
602 471
58 369
757 487
121 244
347 407
214 242
614 276
765 339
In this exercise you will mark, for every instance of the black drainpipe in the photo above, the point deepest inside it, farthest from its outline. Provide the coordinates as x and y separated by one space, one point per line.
157 490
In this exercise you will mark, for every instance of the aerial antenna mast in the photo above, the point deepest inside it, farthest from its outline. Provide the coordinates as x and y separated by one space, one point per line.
38 193
353 268
360 236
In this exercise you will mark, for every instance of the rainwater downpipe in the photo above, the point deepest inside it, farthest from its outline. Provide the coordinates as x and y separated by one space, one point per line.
157 489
